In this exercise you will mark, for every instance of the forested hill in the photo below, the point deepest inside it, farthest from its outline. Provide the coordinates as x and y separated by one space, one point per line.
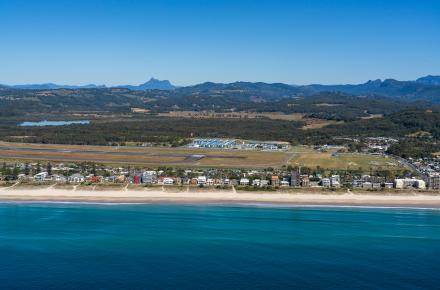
425 88
332 106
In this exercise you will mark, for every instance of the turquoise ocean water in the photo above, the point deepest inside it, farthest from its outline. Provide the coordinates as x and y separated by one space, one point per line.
92 246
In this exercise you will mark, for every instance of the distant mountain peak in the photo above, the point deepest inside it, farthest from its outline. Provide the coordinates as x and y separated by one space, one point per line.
429 80
152 84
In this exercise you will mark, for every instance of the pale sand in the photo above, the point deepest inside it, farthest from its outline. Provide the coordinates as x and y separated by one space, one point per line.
158 196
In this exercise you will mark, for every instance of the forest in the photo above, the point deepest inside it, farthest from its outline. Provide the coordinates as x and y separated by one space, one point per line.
416 124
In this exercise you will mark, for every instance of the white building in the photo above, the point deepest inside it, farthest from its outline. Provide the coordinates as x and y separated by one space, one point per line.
284 183
325 182
41 176
264 182
420 184
401 183
149 177
201 180
256 182
76 178
335 181
167 181
244 181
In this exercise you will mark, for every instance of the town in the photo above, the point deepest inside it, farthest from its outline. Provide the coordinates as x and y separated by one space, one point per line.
269 179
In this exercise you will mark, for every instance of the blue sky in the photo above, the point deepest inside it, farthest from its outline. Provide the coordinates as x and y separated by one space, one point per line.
192 41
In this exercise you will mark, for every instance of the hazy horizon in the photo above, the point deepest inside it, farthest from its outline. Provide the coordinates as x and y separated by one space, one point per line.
180 85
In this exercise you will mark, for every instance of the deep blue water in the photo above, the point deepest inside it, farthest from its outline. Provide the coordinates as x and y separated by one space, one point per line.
78 246
54 123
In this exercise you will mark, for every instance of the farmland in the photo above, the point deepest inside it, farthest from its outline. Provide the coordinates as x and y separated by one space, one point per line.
189 157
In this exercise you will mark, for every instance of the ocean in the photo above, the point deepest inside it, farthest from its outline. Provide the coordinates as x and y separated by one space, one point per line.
171 246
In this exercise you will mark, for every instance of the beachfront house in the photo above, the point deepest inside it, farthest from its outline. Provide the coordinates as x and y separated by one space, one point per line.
285 183
149 177
41 176
325 182
244 181
275 181
76 178
167 180
201 180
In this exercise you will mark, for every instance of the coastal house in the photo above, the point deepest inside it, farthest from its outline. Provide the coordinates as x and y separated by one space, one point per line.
295 178
434 181
201 180
275 181
367 185
136 179
325 182
357 183
401 183
285 183
149 177
41 176
58 178
244 181
305 181
388 185
335 181
167 180
76 178
264 183
94 179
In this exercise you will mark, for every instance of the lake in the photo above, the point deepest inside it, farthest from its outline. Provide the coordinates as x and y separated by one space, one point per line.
54 123
93 246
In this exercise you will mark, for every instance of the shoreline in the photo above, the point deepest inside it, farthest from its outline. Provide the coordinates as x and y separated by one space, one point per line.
220 197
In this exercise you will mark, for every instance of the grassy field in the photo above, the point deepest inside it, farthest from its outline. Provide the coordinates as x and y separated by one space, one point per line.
189 157
185 157
328 160
310 123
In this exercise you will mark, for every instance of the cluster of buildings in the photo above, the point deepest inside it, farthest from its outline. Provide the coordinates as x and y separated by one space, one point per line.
429 168
375 183
281 177
217 143
251 178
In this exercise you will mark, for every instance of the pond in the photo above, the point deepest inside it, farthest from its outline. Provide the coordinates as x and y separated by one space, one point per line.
54 123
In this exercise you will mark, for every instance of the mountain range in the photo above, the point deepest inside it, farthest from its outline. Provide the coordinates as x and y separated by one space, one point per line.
425 88
152 84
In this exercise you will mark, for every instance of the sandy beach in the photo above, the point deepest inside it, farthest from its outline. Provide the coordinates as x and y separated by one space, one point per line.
202 196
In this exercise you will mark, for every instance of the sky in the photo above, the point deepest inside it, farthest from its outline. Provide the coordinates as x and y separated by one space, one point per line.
192 41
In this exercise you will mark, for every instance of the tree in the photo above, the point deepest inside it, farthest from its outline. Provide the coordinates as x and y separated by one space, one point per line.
38 169
93 171
27 169
15 172
49 168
